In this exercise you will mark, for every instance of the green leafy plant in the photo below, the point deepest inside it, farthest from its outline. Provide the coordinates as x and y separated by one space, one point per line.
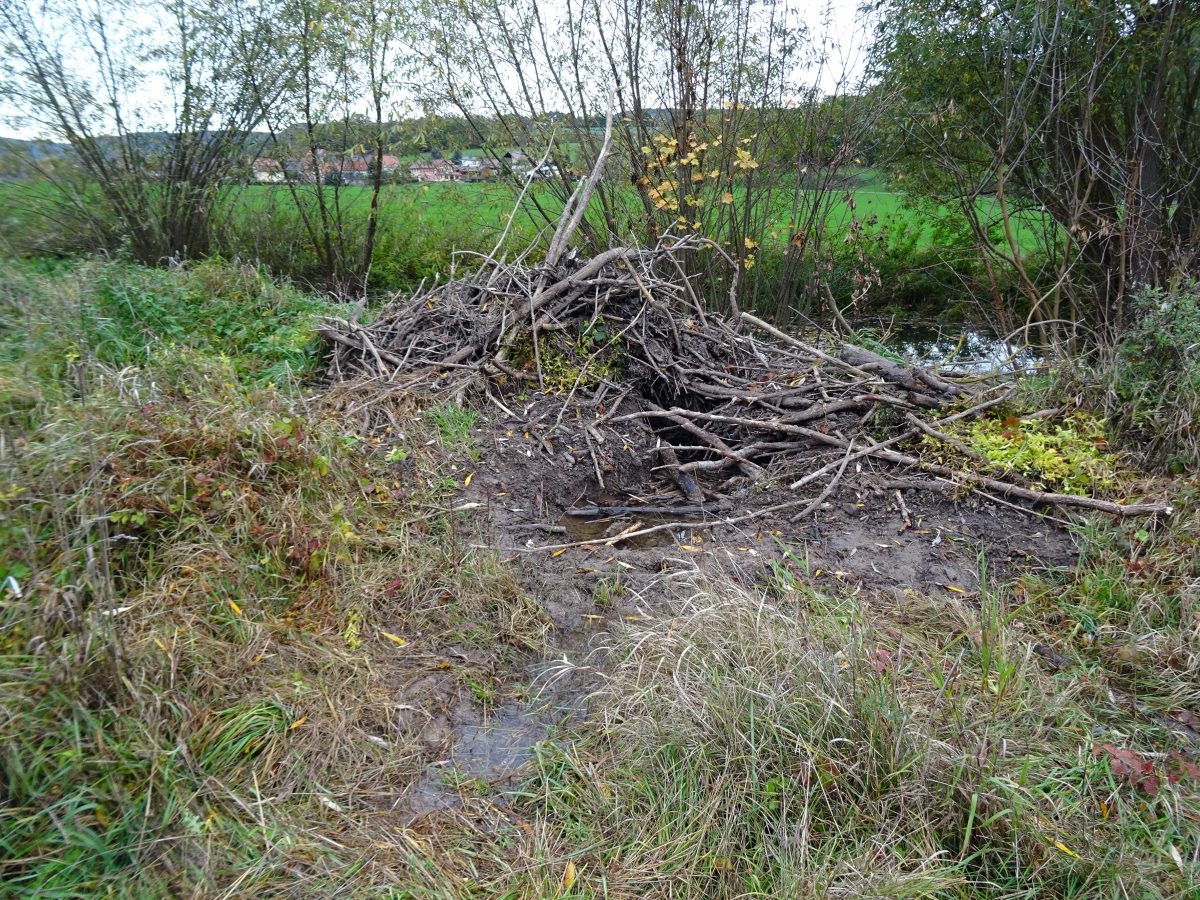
1068 455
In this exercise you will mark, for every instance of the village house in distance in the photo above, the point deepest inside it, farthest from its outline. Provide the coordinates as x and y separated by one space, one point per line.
478 168
357 168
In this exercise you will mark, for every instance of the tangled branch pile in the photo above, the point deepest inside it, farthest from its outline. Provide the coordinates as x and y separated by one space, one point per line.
716 400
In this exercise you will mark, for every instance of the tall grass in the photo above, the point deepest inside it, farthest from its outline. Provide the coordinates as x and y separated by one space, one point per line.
197 687
786 743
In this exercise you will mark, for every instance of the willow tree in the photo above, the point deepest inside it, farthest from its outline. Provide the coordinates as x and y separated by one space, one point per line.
150 99
1079 115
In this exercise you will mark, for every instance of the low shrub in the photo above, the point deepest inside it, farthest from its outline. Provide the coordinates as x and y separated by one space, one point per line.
1153 389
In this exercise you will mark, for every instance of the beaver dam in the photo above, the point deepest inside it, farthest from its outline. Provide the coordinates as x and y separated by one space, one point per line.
632 435
613 366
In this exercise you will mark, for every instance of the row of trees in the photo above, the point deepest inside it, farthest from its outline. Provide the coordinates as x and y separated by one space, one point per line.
187 91
1062 134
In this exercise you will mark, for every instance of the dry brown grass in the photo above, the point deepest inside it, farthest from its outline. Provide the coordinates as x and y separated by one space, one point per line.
746 745
221 601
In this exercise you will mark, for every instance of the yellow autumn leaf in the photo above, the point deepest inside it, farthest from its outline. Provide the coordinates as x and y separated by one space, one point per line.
568 879
467 480
727 198
745 160
394 638
956 590
1067 850
300 721
237 610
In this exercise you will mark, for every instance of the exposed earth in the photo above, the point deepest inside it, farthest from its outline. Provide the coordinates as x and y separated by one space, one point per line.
868 536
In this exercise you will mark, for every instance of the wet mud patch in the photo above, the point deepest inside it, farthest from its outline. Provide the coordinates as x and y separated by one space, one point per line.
557 511
547 510
489 749
534 503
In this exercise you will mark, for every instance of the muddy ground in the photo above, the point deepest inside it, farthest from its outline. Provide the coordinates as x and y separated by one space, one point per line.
522 484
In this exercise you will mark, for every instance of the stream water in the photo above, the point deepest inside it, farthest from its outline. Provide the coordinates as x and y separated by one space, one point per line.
964 349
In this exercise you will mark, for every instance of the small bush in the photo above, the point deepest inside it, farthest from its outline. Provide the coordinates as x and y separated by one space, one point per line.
1154 383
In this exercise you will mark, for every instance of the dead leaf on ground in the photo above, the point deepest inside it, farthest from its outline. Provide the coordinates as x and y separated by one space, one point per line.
1128 765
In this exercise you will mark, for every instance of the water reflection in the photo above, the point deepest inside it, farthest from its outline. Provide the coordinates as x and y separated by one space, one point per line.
956 350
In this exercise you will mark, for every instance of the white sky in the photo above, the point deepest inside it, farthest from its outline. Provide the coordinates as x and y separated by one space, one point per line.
835 24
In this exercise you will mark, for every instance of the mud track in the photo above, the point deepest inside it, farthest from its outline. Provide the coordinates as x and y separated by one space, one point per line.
870 535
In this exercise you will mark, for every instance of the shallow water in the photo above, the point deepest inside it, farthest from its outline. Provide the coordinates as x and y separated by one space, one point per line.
964 351
490 750
590 528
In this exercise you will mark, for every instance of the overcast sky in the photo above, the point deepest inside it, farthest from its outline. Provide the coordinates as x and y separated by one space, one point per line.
834 24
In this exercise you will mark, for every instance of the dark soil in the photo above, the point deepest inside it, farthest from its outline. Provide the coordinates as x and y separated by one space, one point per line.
863 537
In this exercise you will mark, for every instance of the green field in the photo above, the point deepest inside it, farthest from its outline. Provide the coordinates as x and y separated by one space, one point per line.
921 255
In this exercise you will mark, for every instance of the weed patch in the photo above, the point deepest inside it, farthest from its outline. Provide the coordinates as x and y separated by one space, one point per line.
212 600
897 746
1068 455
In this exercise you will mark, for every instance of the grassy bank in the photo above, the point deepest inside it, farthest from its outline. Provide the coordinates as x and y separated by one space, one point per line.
792 743
212 591
218 589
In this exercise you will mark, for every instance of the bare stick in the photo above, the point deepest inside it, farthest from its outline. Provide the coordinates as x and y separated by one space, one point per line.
1004 488
567 225
800 345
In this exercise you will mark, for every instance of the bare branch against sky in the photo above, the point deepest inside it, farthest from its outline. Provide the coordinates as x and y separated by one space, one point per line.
837 28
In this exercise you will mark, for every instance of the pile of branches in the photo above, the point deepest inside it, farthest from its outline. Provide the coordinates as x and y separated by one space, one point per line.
722 397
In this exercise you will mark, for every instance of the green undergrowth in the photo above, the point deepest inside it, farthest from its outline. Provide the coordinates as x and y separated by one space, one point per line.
1151 388
1068 454
567 363
1146 384
212 593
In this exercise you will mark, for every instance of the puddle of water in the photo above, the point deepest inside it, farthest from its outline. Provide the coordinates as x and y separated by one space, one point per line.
491 750
962 352
590 528
501 744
